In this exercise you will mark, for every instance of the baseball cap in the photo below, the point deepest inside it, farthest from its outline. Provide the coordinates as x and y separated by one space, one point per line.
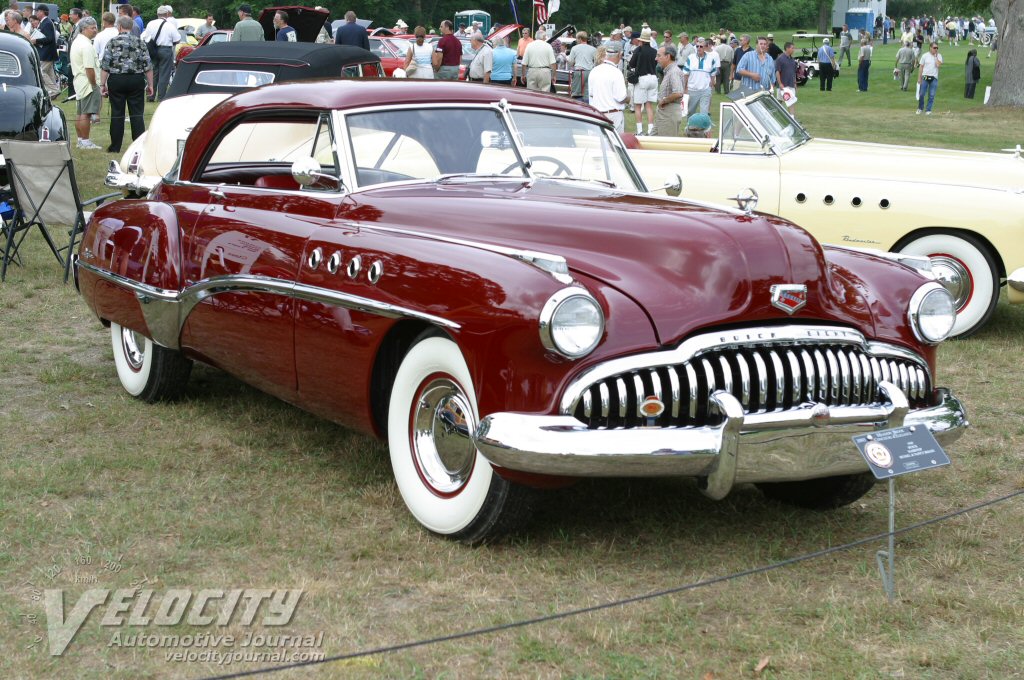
613 48
825 41
699 121
770 36
634 35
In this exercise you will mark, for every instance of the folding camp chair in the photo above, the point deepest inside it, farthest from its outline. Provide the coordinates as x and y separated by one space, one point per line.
42 177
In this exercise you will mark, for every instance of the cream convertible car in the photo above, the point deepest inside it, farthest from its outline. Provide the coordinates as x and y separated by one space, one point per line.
963 209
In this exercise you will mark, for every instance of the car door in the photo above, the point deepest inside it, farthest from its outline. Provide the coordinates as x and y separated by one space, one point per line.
246 246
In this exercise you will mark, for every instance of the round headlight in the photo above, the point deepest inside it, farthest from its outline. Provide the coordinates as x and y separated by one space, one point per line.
571 323
932 313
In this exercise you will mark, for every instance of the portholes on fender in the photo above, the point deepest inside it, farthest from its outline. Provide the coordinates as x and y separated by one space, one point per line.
856 202
884 203
355 265
315 258
829 200
374 273
801 197
334 262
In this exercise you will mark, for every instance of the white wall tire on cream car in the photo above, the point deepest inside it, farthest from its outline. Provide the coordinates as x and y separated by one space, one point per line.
147 370
449 487
964 266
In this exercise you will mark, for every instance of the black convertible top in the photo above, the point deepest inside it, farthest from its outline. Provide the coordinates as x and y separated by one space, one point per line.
285 60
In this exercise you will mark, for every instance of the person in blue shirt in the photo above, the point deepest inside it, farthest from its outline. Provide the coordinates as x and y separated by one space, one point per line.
756 69
826 59
351 33
504 58
285 33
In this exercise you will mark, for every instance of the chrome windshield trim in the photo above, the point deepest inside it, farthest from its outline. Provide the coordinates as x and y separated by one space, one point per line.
166 311
776 336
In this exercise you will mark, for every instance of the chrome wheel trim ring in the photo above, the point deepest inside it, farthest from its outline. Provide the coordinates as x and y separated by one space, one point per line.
440 438
955 277
132 345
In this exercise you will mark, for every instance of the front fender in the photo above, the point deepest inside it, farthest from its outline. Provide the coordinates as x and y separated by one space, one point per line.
138 241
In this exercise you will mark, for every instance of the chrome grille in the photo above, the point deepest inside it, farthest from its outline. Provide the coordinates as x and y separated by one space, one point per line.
763 378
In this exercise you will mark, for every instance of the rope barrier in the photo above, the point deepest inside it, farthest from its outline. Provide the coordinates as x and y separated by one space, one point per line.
619 603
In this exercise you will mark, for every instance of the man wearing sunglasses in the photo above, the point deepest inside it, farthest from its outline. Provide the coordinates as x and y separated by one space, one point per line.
928 78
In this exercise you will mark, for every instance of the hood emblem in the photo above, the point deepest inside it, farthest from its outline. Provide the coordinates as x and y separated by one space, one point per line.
789 297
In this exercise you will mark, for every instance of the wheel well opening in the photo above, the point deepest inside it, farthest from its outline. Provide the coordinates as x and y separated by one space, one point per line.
982 241
392 350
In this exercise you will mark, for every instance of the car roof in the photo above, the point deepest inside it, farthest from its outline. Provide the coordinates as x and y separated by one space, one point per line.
358 93
16 44
287 60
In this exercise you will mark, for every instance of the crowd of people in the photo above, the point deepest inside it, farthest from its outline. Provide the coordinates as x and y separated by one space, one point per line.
664 81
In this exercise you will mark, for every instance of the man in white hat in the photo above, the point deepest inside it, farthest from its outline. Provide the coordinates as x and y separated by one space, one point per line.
164 32
606 86
826 58
400 28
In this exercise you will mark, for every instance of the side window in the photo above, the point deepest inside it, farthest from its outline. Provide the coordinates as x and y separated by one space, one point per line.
736 136
259 152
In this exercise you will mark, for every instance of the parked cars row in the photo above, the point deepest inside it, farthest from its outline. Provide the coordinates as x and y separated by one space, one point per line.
481 276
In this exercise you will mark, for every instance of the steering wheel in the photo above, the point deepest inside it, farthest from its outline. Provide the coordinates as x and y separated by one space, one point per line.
560 167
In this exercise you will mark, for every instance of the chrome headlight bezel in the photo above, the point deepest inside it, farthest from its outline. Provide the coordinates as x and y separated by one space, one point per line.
549 321
917 301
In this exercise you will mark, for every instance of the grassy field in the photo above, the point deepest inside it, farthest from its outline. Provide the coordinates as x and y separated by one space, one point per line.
229 488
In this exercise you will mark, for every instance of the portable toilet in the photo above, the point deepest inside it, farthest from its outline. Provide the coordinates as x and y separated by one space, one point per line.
860 20
468 16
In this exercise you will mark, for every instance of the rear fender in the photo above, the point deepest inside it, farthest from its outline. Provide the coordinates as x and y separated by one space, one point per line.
130 241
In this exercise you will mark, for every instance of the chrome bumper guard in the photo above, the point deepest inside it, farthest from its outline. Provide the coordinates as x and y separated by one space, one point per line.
802 443
1015 286
125 181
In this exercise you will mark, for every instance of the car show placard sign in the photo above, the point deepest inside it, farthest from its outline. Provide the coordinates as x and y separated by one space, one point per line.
901 450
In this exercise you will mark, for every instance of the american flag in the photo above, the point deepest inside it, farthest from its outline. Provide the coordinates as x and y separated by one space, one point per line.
541 10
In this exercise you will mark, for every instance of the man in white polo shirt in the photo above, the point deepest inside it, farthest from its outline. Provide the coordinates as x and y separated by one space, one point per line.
607 86
699 72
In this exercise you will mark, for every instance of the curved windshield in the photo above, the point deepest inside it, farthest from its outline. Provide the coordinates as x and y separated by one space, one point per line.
427 144
783 130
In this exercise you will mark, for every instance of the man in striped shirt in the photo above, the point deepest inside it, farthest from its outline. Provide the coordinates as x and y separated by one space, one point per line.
756 69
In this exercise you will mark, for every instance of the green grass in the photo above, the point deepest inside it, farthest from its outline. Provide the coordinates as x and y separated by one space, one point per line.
230 488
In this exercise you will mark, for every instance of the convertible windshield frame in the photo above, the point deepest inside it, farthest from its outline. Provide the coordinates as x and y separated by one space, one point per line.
350 119
772 119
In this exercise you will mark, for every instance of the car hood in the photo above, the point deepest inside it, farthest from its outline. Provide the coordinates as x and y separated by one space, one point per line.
1000 171
21 109
306 21
173 120
688 265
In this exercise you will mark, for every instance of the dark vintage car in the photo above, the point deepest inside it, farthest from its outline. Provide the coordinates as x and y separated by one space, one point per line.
478 275
215 72
26 113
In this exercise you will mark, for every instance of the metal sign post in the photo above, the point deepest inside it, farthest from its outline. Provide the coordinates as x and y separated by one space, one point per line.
890 453
888 572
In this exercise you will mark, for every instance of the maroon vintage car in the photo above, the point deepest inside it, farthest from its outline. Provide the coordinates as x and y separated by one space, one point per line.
479 275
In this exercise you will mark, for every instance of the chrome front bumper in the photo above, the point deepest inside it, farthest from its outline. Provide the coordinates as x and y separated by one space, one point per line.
803 443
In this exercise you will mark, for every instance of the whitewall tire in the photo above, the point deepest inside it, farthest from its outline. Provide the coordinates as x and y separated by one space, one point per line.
966 268
147 370
449 487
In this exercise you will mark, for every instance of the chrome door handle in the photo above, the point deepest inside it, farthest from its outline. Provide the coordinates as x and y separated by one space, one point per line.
218 192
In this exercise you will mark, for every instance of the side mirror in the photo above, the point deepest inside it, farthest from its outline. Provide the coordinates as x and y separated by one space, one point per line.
305 171
673 186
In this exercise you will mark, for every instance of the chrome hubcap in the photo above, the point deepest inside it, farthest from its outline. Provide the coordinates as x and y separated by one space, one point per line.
954 277
132 344
441 442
